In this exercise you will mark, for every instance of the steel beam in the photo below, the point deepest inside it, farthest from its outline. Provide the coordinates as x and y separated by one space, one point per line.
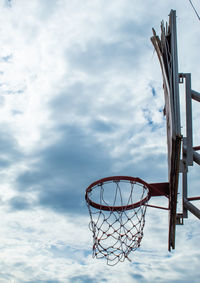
195 95
193 209
184 178
188 103
196 157
194 198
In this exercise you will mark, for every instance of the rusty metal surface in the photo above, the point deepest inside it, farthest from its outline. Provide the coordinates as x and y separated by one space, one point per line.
166 49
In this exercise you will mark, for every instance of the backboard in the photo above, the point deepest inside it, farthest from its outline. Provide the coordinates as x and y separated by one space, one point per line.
166 48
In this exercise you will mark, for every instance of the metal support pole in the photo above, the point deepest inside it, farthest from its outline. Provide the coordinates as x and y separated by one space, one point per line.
193 209
184 179
195 95
196 157
188 102
194 198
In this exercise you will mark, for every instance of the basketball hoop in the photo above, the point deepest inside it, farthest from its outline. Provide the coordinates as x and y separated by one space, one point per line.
117 207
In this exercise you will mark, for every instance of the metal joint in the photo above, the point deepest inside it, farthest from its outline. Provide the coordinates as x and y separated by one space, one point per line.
180 78
179 219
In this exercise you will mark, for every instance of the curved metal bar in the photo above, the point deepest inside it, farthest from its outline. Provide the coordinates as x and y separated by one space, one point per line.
118 179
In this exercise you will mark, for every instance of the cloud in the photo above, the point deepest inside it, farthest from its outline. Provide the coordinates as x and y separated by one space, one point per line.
43 281
99 57
83 279
6 58
10 151
119 52
102 126
19 203
63 170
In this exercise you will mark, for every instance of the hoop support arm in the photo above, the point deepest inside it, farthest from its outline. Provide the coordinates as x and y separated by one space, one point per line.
159 189
159 207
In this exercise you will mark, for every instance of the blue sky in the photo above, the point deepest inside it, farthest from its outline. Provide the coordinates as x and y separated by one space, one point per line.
81 98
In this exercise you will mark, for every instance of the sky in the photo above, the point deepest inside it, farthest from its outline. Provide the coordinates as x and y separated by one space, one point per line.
81 98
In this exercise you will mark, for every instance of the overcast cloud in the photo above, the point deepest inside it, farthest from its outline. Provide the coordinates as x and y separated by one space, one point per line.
81 98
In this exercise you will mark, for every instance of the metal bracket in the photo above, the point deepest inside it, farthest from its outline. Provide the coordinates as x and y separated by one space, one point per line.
180 78
182 167
179 219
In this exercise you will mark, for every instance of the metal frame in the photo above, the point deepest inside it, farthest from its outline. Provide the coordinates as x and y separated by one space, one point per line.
178 161
166 48
189 154
176 126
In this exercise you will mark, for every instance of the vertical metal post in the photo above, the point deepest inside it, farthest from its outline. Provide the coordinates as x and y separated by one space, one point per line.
187 151
184 180
176 106
188 101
